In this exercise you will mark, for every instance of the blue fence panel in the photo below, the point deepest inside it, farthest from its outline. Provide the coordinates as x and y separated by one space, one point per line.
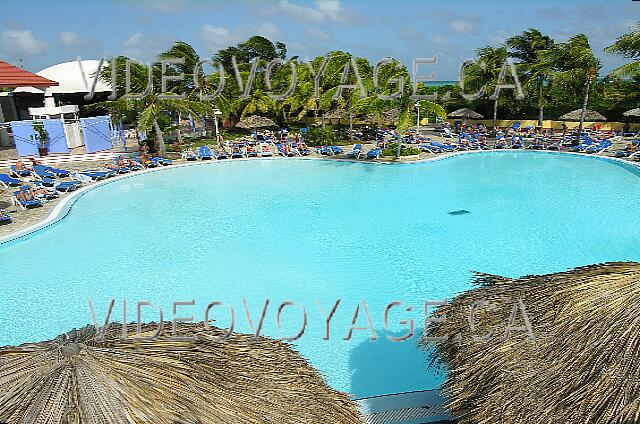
57 137
24 137
97 133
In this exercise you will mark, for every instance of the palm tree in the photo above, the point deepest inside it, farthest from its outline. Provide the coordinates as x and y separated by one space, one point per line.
151 105
627 46
575 67
531 49
487 72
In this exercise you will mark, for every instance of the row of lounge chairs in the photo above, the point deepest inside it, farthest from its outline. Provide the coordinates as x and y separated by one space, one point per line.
49 183
237 152
241 151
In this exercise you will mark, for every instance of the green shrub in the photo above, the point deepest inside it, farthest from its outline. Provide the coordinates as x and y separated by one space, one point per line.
322 136
392 149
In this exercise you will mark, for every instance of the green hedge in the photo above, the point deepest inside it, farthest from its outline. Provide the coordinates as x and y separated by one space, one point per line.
322 136
392 149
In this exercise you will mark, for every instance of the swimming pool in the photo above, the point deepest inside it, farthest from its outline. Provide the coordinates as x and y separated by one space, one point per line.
310 230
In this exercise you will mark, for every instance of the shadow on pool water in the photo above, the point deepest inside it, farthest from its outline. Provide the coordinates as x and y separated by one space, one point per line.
374 364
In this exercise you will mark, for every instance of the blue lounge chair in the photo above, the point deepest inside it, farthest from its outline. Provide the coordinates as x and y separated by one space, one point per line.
336 150
64 186
205 153
517 142
4 217
587 143
600 147
158 161
189 155
42 172
627 153
281 152
236 153
443 147
58 172
252 152
374 153
120 169
7 181
25 204
220 155
20 173
265 150
355 152
149 164
95 175
429 148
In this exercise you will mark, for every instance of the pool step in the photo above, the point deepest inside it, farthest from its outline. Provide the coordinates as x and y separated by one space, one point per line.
427 406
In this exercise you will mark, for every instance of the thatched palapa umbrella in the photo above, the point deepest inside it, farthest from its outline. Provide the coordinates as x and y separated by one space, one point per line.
632 112
590 115
255 121
76 379
582 367
465 113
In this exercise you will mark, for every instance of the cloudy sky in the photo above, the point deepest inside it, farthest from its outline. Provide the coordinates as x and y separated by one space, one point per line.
44 32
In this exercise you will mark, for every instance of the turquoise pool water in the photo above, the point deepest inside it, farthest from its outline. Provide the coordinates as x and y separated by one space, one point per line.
305 230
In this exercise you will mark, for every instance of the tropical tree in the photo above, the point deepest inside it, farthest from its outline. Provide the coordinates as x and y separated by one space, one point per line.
576 68
628 46
486 73
531 49
146 101
256 46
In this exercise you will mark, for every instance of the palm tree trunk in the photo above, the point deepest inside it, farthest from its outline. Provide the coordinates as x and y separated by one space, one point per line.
584 108
179 127
540 103
495 115
160 138
350 126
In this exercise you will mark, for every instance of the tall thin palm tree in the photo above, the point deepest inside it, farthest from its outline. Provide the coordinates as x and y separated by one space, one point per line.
576 66
531 50
487 72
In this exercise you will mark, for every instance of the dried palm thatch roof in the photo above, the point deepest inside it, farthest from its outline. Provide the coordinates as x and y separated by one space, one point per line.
583 367
590 115
632 112
255 121
464 113
76 379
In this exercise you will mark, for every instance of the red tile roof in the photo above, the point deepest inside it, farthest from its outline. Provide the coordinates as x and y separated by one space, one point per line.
12 76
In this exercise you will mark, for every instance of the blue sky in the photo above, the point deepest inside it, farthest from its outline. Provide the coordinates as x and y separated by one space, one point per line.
43 33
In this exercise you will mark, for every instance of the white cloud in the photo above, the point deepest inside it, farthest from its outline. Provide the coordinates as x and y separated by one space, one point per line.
141 47
134 40
325 11
68 38
268 30
302 13
217 37
330 8
14 42
461 27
